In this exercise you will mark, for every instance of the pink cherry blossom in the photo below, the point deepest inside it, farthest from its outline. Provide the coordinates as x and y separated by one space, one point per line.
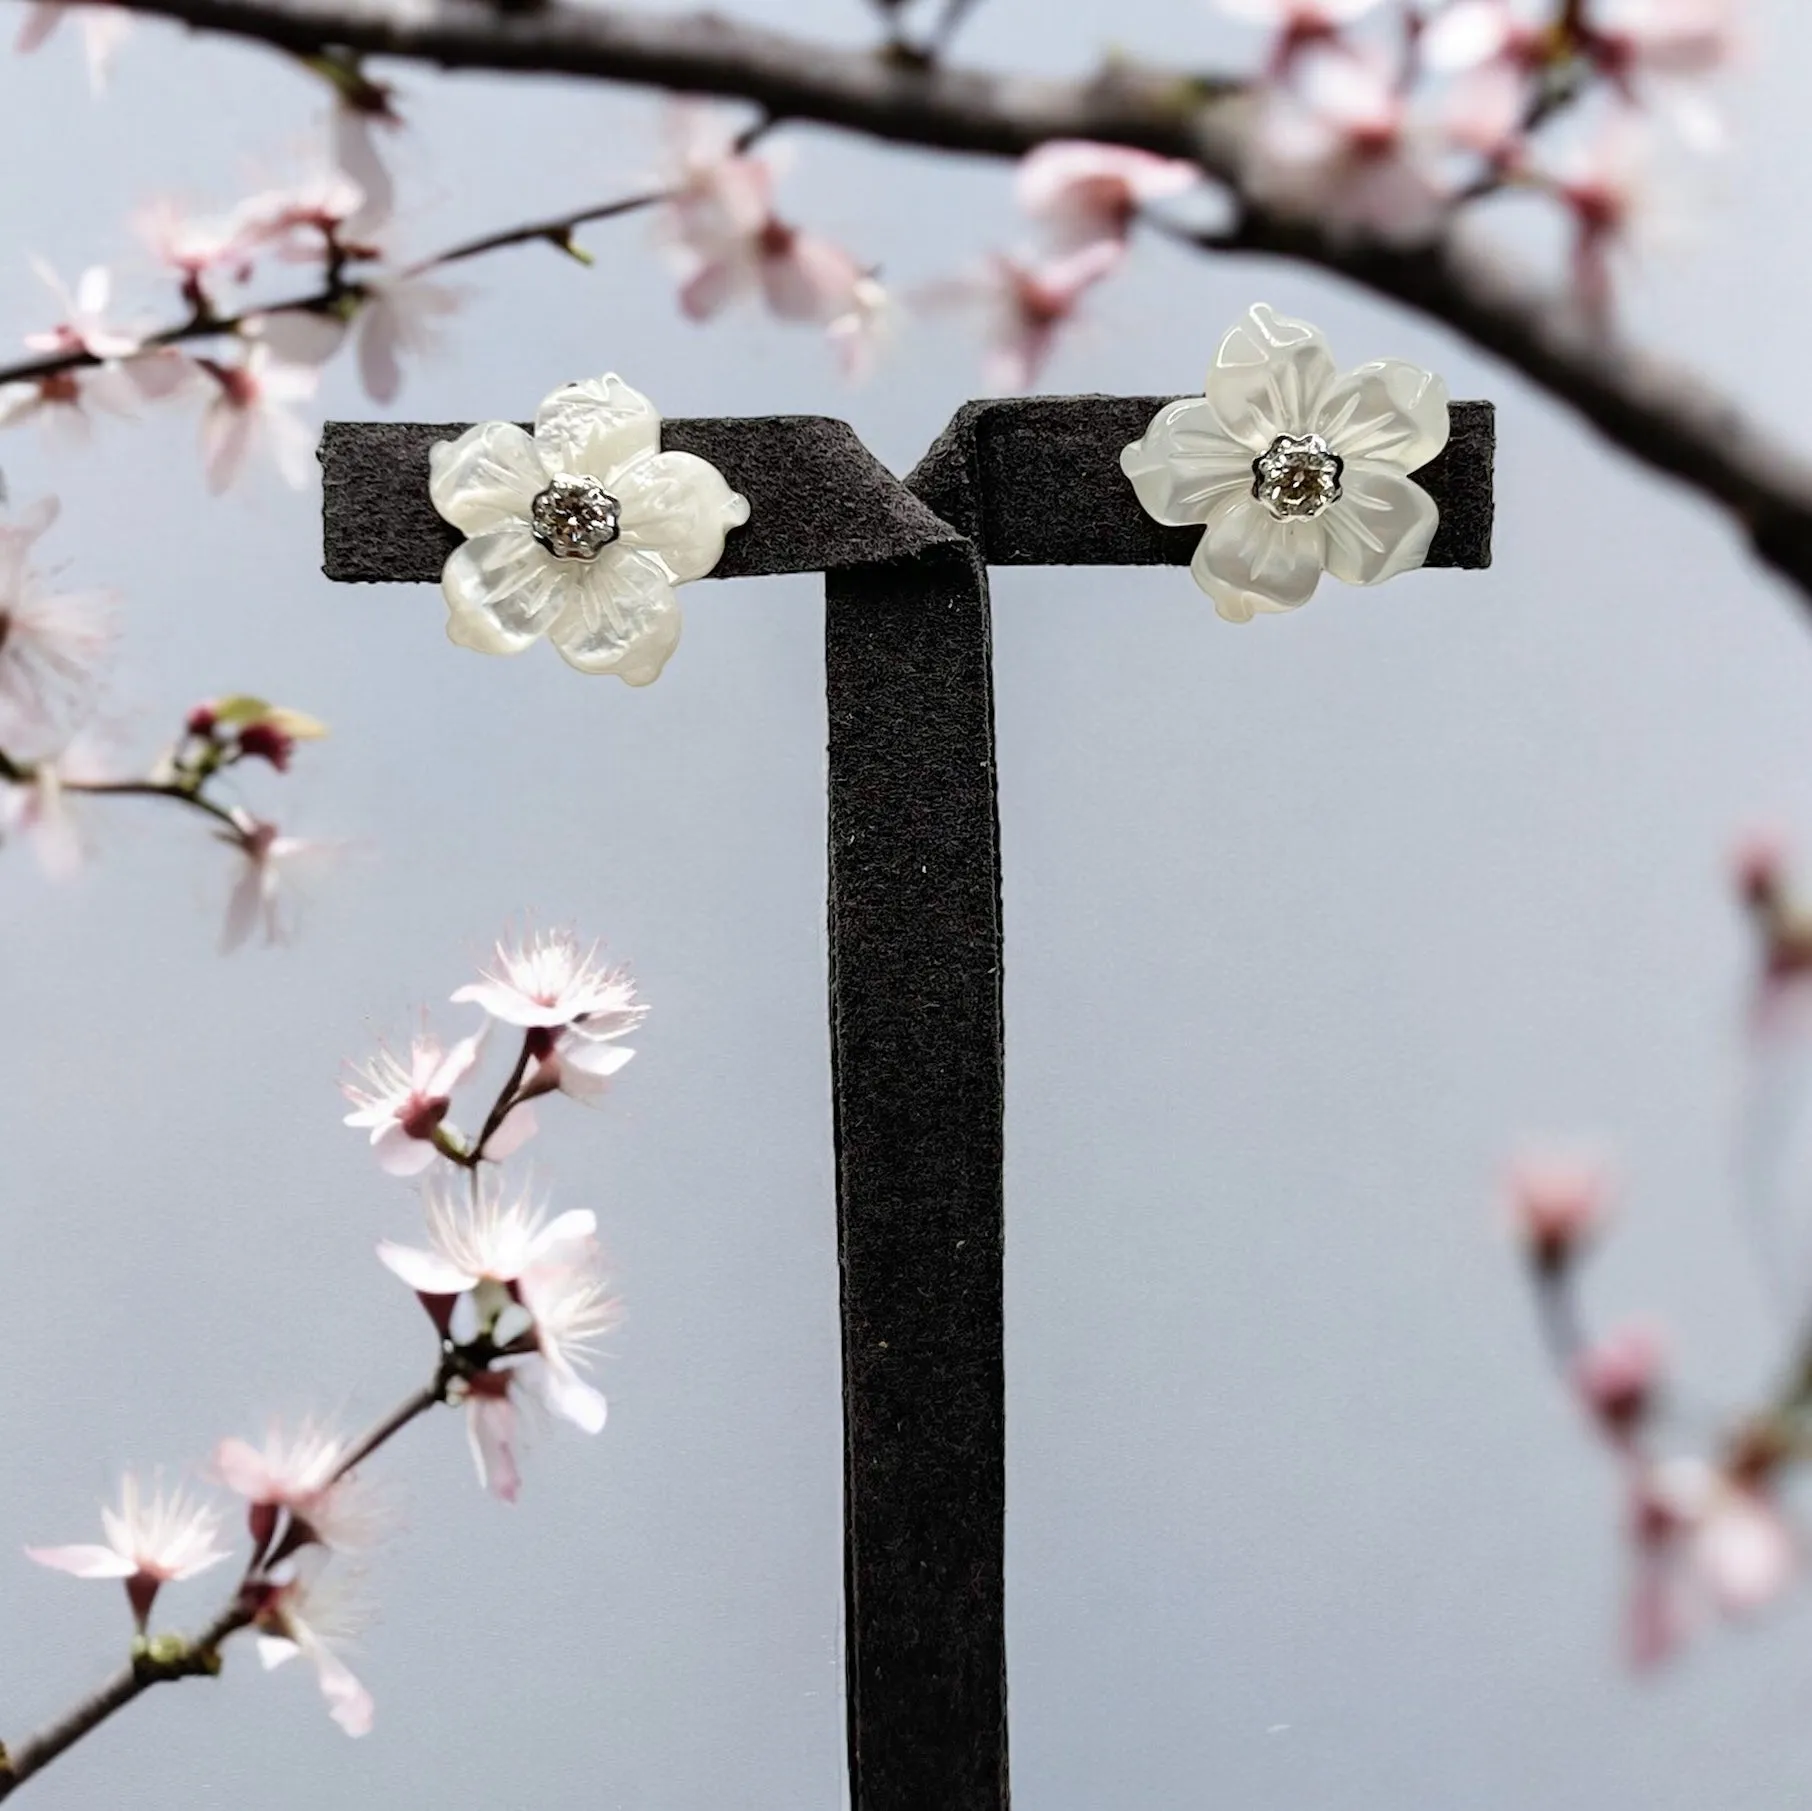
573 1009
548 979
1492 52
1341 143
83 328
38 808
308 1614
402 1106
1024 306
103 28
1557 1205
401 316
1702 1544
300 219
1617 1379
1080 192
257 898
251 409
52 644
194 246
729 242
154 1537
1603 180
296 1474
480 1234
60 402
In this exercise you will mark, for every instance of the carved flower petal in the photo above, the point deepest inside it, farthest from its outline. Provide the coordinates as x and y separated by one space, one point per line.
1184 463
596 427
1269 377
505 590
1250 562
1381 526
1388 411
624 618
677 508
486 477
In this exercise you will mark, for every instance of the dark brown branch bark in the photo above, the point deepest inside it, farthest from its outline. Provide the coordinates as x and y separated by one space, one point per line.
1662 416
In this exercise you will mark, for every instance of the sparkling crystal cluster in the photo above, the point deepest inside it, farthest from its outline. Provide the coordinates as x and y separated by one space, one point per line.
575 518
1296 477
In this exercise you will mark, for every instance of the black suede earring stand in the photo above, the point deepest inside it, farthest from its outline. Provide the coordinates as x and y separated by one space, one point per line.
915 966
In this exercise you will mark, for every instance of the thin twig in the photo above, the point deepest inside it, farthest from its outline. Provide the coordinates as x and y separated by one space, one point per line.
505 1101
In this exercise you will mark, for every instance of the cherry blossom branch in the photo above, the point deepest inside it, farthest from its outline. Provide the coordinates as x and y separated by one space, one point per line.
337 287
157 1660
154 1662
1665 417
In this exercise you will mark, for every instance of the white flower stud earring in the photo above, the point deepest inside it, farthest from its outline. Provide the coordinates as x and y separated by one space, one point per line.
578 533
1292 469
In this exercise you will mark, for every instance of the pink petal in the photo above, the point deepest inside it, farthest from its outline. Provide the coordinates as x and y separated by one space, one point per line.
426 1272
349 1703
712 287
242 1468
226 438
491 1428
400 1155
84 1561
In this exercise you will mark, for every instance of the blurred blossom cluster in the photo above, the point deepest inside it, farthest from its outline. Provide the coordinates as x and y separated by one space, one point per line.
516 1302
1387 118
1705 1519
59 740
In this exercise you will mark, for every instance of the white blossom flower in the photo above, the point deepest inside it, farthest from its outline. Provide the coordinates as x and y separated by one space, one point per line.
310 1615
83 327
38 808
1080 192
153 1537
257 898
549 984
1701 1544
251 408
1293 469
1344 143
296 1472
51 643
482 1235
1024 306
720 221
579 533
550 979
402 1105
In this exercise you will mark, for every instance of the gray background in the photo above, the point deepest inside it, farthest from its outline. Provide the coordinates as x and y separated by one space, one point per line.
1308 924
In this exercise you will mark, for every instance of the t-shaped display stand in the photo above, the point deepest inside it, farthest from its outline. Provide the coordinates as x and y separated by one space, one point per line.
915 966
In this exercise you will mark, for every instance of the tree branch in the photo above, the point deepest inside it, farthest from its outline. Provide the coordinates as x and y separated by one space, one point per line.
1664 417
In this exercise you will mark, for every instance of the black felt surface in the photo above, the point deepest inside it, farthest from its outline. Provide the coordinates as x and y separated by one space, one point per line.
1036 479
916 956
916 1042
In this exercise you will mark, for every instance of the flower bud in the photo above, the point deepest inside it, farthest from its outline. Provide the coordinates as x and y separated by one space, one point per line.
1557 1205
1617 1379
